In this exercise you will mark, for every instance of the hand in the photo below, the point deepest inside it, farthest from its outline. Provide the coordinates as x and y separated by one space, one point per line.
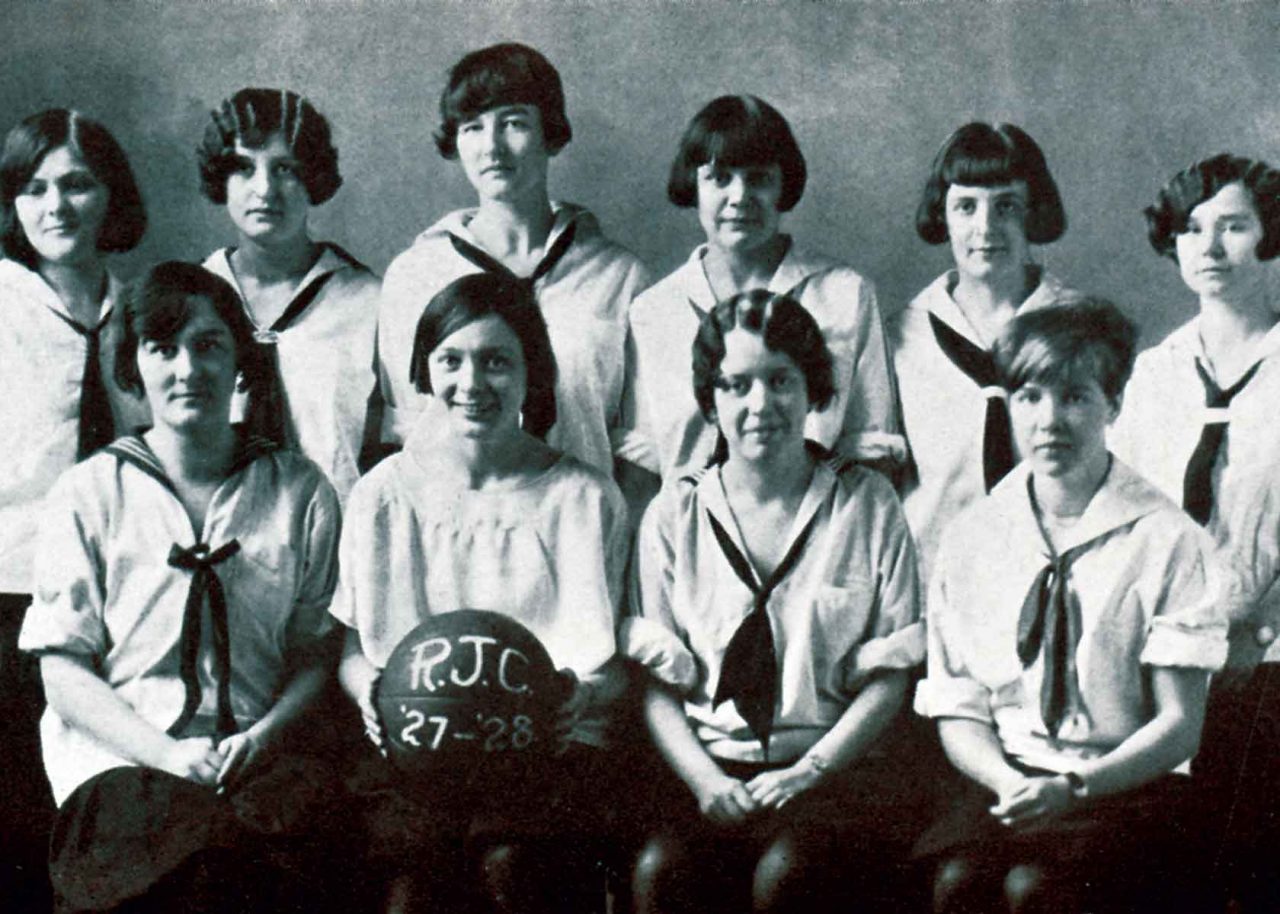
1244 653
774 789
373 729
194 759
1035 799
569 714
240 753
725 800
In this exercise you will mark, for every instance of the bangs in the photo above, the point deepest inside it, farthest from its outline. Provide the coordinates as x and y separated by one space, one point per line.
983 161
163 316
489 88
1039 362
737 136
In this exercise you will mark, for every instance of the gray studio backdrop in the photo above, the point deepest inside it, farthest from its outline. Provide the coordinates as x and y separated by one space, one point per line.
1119 95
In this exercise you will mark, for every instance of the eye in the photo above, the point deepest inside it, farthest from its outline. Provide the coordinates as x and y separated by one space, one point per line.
497 362
1027 395
1009 207
449 360
211 344
79 183
736 386
164 350
286 169
519 121
760 177
469 127
782 382
242 165
965 206
33 188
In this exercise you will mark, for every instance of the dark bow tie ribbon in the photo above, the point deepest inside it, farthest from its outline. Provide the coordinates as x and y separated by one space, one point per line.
97 428
980 367
490 264
204 581
749 671
1197 484
1049 623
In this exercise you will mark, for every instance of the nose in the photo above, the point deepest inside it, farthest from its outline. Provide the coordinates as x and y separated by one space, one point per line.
261 181
1213 244
184 363
757 397
56 200
736 191
469 376
1050 411
984 216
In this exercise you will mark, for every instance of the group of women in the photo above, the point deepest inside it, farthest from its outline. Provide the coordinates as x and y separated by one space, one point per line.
188 531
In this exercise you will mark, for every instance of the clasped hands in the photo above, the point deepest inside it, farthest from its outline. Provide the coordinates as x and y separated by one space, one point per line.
729 801
1033 799
215 764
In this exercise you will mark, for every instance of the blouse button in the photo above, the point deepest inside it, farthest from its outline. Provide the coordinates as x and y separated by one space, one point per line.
1265 635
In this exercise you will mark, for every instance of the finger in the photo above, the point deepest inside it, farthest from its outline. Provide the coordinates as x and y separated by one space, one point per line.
232 761
746 802
204 773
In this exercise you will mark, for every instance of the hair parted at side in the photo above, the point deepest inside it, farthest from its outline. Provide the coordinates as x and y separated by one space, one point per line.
981 155
1186 190
158 304
784 325
737 131
30 141
479 295
1054 344
250 117
502 74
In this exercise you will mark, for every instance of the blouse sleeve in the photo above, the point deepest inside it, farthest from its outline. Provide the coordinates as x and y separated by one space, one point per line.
628 436
948 689
870 430
1188 627
648 634
66 614
322 526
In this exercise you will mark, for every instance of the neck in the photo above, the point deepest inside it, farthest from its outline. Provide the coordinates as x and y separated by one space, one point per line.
198 455
477 463
1066 497
1003 291
784 477
80 286
513 226
730 272
1231 327
287 260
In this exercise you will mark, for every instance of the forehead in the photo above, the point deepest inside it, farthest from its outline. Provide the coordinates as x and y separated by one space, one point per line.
716 166
200 317
746 353
273 145
505 110
1011 190
488 332
59 161
1232 200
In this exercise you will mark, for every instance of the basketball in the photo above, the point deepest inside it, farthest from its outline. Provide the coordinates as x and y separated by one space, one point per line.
467 694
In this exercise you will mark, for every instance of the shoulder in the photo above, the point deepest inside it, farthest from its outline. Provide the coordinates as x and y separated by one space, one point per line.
571 481
592 244
294 476
908 324
423 257
665 297
353 277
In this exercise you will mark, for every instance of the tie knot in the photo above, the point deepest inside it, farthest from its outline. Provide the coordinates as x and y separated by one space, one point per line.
199 556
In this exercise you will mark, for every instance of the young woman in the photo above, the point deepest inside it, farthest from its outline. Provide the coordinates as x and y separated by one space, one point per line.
739 165
68 199
479 512
778 618
268 158
183 577
1073 618
1199 421
990 196
502 117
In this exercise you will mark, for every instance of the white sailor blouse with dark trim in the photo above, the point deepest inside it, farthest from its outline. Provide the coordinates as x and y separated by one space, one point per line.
1157 432
848 609
943 411
42 365
584 300
1141 577
326 362
107 591
670 434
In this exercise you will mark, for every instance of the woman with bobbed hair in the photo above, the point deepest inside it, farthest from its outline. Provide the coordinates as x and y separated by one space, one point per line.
989 196
268 157
502 118
180 620
479 511
776 611
738 164
1074 616
68 199
1199 421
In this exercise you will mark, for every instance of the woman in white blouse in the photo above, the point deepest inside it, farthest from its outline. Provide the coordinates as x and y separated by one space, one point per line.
740 167
777 606
1073 618
68 200
989 197
268 158
478 511
183 576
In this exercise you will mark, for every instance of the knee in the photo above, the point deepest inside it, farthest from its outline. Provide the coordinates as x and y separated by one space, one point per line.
1031 889
656 869
788 874
956 882
499 875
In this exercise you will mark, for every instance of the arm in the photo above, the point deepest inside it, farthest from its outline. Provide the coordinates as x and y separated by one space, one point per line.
972 746
358 678
870 429
721 798
87 703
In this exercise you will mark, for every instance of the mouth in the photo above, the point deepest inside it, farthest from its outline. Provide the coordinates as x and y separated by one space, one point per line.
1054 448
190 396
266 212
477 411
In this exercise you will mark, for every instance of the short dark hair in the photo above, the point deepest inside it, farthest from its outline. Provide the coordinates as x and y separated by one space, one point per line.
1052 344
1192 186
502 74
251 116
782 323
737 131
26 146
157 306
980 155
479 295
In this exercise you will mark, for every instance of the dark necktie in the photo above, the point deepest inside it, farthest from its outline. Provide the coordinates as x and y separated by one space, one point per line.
268 412
1197 484
980 367
749 672
1048 621
97 428
490 264
204 580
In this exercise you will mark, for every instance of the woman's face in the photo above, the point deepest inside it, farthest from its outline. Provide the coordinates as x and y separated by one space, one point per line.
761 399
189 379
478 374
987 227
504 153
1061 427
738 207
1218 252
62 208
266 197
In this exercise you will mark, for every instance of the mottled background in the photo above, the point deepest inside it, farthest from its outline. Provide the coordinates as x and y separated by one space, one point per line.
1119 95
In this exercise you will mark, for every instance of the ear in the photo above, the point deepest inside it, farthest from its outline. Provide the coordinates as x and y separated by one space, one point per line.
1116 403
